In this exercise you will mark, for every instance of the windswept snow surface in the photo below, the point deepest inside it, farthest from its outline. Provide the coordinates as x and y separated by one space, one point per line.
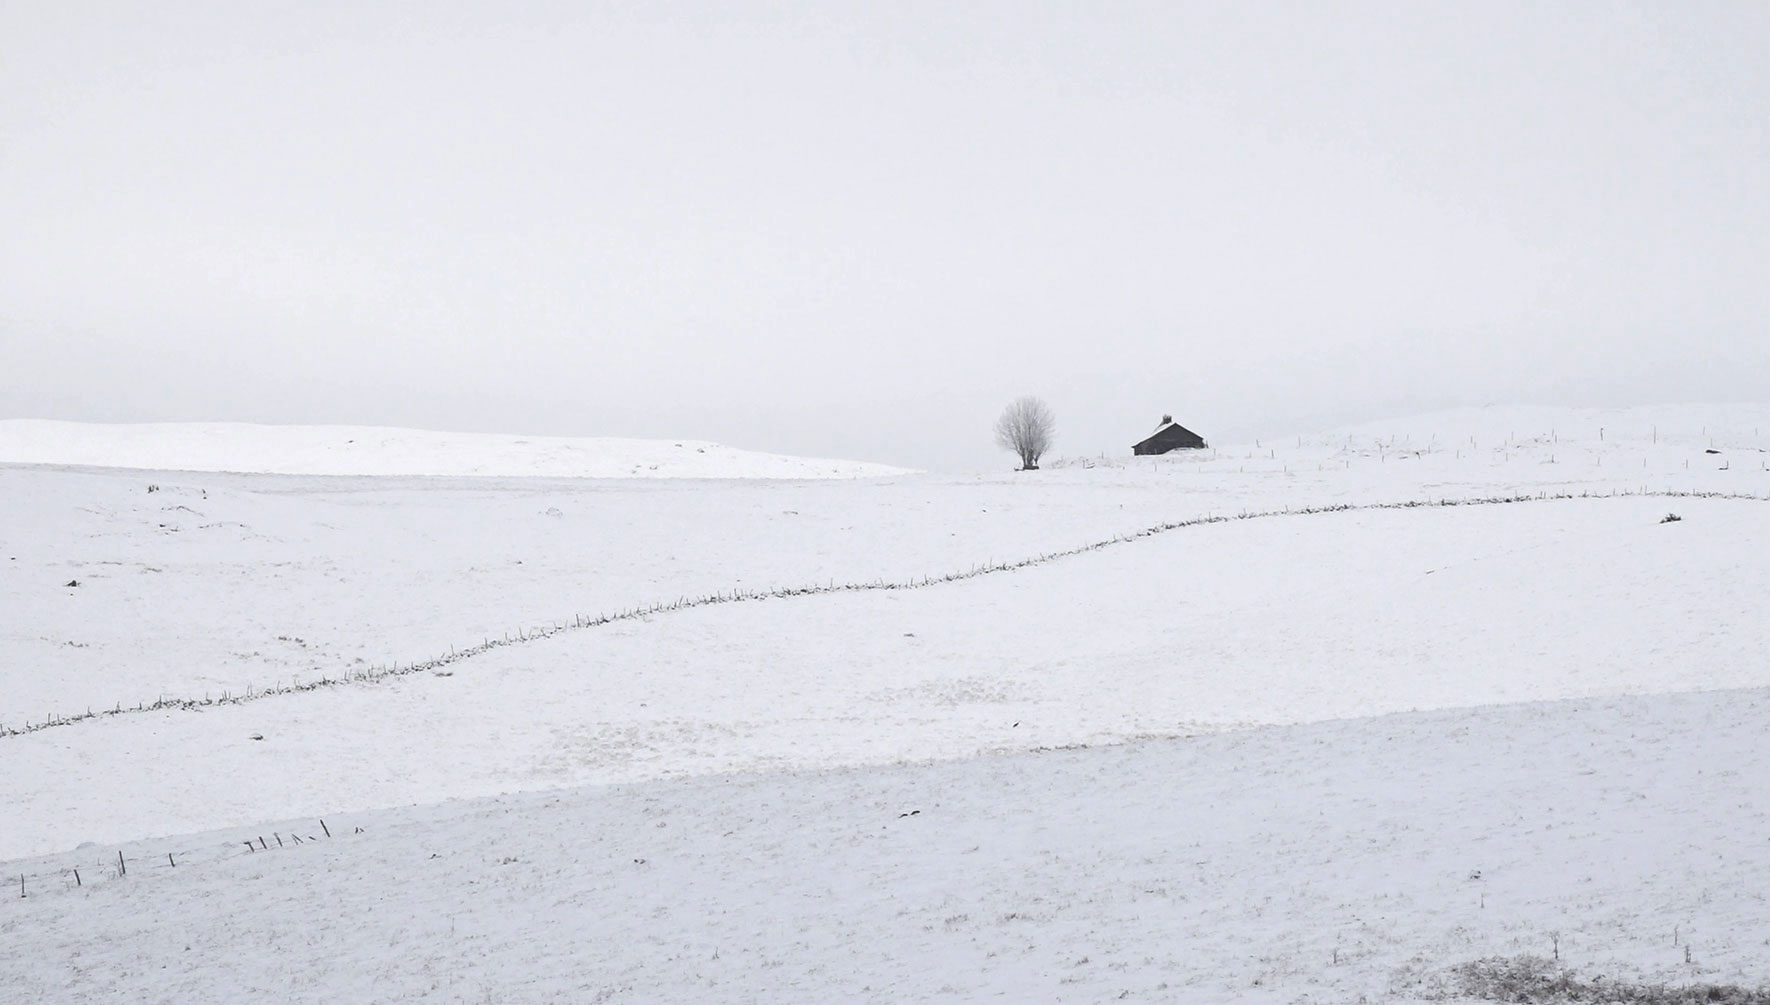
1337 862
380 451
1306 734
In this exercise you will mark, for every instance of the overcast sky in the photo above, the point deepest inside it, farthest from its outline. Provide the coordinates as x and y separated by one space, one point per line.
858 229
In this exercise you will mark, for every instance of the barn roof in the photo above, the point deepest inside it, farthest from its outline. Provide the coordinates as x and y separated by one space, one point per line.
1166 426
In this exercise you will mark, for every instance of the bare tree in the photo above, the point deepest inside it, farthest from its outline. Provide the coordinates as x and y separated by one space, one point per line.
1027 428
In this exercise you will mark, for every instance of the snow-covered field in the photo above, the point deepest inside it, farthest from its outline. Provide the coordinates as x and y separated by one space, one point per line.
1255 758
1332 862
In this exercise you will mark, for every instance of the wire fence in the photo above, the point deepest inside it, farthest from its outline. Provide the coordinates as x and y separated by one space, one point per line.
87 869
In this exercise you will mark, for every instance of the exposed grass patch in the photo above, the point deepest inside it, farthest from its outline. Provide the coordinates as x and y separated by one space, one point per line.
1533 979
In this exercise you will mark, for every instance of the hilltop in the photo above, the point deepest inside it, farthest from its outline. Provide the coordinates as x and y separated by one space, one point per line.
382 451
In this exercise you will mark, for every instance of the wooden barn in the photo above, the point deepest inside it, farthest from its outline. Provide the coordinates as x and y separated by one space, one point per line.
1169 435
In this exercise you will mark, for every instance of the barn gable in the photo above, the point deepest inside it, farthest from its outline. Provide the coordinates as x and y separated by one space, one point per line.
1169 435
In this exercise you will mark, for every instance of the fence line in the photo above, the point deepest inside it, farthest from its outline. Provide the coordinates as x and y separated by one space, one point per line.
51 878
582 622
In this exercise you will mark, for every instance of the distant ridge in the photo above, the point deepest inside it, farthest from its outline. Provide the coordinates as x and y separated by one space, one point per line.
1739 424
385 451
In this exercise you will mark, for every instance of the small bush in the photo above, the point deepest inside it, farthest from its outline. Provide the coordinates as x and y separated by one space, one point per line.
1670 518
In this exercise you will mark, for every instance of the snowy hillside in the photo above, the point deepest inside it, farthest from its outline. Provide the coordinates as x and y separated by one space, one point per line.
1285 619
1345 861
352 450
1735 426
1316 720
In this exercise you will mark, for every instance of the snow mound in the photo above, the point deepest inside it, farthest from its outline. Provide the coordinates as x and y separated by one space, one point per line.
372 450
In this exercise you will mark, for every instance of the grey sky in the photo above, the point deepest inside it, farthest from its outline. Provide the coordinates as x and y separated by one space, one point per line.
860 229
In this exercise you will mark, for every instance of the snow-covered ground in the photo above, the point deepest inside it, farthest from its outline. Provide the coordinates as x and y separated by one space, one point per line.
1257 758
380 451
195 584
1335 862
1280 620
